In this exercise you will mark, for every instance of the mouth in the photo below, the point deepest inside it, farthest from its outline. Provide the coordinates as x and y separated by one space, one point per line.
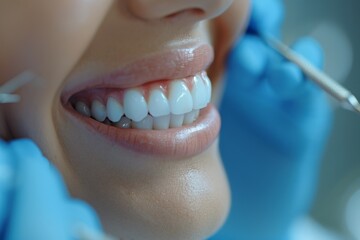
163 110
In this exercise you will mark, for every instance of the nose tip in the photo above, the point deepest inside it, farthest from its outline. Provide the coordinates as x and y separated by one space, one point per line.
162 9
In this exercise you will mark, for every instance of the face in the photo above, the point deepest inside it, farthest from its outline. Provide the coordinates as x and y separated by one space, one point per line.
120 105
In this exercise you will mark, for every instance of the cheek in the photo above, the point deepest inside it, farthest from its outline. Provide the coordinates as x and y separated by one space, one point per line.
226 29
46 37
41 39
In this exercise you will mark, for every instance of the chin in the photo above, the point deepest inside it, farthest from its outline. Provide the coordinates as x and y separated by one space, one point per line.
142 195
190 203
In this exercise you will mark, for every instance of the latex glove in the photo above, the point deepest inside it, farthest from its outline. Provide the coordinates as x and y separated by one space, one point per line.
274 126
34 202
266 16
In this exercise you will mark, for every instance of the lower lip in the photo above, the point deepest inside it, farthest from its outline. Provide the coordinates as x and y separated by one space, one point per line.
183 142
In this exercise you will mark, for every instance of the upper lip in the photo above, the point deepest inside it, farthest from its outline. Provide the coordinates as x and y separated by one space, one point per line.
173 64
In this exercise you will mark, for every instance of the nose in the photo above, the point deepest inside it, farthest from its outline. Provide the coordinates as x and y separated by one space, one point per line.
161 9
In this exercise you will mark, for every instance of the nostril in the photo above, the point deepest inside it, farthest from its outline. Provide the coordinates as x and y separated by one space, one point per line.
194 12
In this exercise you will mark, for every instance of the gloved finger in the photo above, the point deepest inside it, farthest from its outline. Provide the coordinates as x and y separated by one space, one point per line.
247 62
84 223
266 17
7 174
286 79
38 209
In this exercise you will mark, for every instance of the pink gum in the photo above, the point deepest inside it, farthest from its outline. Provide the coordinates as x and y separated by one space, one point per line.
102 94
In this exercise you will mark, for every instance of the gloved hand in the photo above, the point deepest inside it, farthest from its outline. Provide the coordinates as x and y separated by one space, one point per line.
266 16
274 126
34 203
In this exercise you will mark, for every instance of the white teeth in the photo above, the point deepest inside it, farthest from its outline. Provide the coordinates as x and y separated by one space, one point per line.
208 85
176 120
123 123
199 93
161 123
191 117
146 123
180 99
135 106
114 110
158 103
82 108
98 111
181 107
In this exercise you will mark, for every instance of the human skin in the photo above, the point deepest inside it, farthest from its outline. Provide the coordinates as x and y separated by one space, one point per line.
137 196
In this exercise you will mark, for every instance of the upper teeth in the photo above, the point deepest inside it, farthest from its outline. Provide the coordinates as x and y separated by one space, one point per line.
160 110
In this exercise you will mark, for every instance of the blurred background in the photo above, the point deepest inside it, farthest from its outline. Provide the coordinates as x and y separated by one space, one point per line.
334 24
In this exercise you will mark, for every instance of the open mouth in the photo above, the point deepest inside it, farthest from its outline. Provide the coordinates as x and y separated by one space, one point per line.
158 106
157 117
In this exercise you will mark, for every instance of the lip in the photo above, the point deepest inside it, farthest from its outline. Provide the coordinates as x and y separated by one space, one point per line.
186 141
176 143
174 64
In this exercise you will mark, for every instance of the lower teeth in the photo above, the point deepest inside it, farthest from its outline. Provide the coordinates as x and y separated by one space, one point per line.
156 123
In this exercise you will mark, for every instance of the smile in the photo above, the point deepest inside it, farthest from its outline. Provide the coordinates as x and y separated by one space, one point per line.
159 117
158 106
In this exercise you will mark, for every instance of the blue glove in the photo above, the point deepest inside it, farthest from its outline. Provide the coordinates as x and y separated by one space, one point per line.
274 126
34 202
266 16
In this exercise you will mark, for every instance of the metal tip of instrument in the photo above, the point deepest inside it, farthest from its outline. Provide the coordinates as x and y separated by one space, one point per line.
353 104
6 90
357 108
9 98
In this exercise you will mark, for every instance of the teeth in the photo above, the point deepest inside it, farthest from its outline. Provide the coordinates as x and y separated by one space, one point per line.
146 123
114 110
161 123
176 120
98 111
158 103
199 93
180 99
123 123
82 108
208 85
135 105
181 107
191 117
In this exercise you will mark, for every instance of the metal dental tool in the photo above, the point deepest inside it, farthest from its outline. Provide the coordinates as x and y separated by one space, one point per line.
341 94
7 90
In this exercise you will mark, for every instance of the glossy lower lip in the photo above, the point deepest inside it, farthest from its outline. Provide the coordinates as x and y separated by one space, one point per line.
174 64
176 143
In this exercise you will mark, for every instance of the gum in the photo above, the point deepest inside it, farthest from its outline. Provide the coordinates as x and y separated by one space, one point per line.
102 94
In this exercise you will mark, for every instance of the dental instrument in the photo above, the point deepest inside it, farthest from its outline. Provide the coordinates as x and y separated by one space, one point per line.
346 99
6 90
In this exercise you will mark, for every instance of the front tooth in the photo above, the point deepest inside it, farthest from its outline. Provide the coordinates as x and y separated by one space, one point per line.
191 117
98 111
207 84
135 106
146 123
161 123
82 108
199 93
123 123
180 98
114 110
158 103
176 120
